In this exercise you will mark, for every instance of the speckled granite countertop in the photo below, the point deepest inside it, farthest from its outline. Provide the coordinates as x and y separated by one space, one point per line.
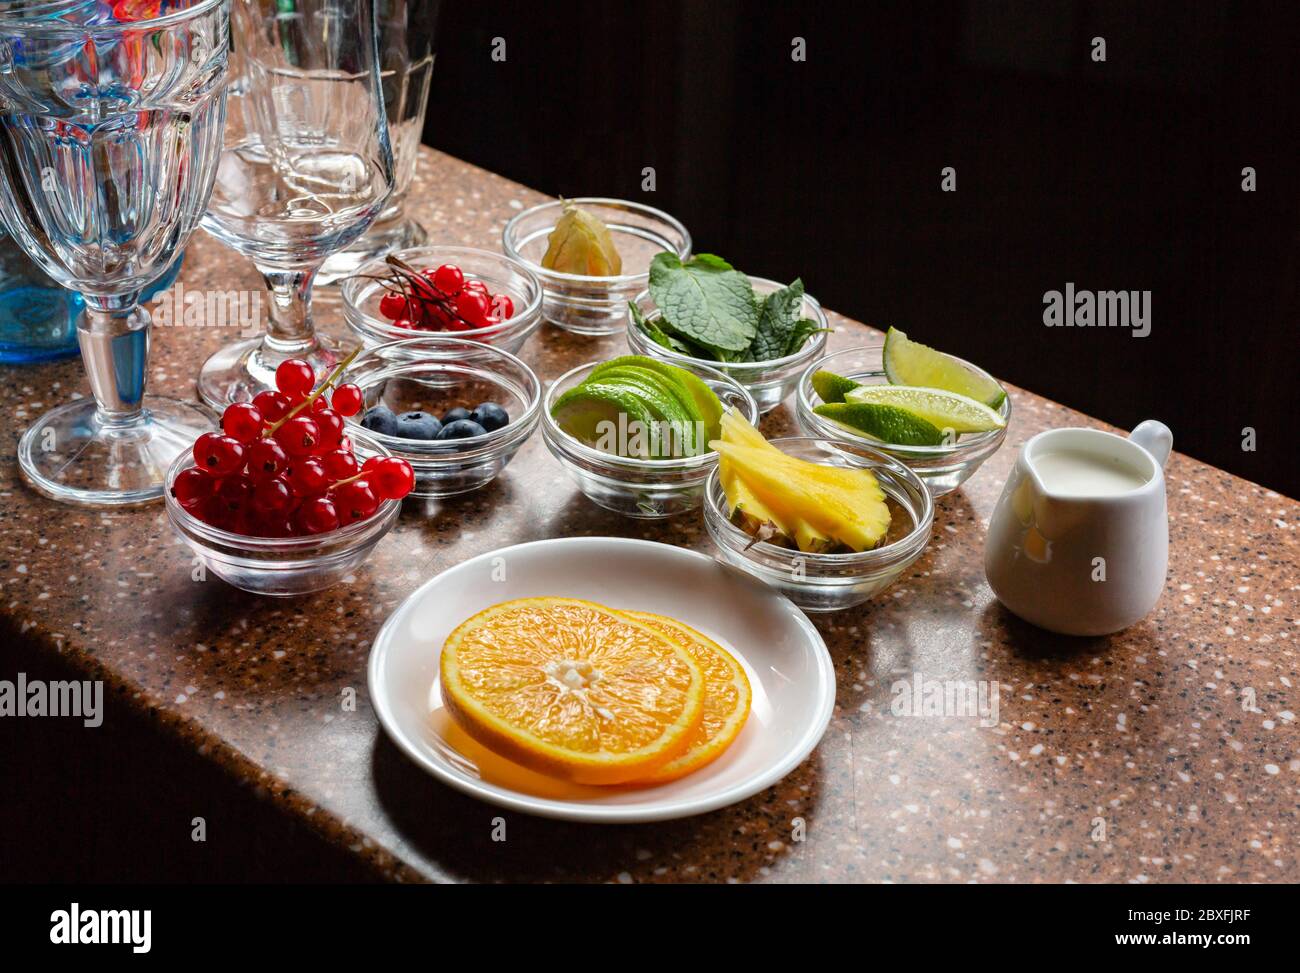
1135 758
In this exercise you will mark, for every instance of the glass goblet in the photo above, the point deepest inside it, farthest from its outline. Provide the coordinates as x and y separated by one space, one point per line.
307 166
406 52
110 130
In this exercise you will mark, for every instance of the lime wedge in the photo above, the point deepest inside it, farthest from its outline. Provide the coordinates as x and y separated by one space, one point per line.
909 362
939 407
832 387
887 423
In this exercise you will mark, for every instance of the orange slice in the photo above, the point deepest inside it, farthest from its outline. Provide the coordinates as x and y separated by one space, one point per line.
572 689
726 698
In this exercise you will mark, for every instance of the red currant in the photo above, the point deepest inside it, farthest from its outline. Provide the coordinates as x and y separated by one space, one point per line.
347 399
298 435
242 421
192 486
295 377
266 458
316 516
503 307
393 306
218 454
404 323
449 279
339 464
331 430
391 478
271 405
308 477
233 493
355 500
271 496
472 307
478 287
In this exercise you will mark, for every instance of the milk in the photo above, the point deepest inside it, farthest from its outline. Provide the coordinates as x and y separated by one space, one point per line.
1080 473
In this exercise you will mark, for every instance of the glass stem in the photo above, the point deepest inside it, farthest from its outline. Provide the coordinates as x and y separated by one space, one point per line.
113 333
289 330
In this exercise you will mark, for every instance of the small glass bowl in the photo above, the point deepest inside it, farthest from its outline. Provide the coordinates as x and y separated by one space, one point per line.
282 566
434 374
647 489
595 305
501 274
943 468
769 382
830 582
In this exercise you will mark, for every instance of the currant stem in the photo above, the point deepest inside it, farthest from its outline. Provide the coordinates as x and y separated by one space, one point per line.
328 383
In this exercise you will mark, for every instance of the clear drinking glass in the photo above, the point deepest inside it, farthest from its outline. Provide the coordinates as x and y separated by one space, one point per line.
109 136
306 168
406 51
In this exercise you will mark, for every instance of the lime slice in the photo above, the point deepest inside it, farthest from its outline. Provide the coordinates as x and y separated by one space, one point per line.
939 407
909 362
887 423
832 387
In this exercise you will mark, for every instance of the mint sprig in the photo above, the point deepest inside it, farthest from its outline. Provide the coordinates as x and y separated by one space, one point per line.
709 310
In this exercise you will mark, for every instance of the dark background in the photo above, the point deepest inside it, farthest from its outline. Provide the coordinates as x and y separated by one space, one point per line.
1118 175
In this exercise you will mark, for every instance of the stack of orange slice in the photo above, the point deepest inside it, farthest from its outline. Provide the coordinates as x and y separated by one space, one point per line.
590 694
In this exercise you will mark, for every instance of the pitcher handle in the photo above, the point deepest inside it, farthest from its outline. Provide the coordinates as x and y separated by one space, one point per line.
1155 438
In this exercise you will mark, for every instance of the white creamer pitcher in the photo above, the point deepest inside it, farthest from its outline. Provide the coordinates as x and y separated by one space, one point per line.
1079 540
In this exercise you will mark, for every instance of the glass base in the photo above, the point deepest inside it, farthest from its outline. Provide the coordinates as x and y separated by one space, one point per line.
379 241
72 455
238 372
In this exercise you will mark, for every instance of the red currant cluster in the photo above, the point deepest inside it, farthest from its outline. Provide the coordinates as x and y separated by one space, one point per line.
440 300
281 466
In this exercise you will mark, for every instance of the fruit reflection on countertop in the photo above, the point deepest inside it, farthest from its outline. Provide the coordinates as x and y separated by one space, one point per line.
813 507
640 407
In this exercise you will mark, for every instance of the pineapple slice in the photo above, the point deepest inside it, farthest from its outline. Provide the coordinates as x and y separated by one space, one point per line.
749 513
850 509
805 536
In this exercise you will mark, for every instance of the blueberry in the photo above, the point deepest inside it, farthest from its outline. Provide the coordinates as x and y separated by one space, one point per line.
380 419
455 415
490 416
418 425
461 429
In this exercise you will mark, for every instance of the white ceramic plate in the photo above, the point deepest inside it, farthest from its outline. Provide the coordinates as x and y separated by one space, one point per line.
783 654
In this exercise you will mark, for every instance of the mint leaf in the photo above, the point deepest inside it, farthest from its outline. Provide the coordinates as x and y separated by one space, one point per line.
803 330
776 321
705 300
661 337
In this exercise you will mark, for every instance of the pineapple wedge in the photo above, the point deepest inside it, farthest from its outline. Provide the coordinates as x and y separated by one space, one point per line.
819 503
802 534
747 511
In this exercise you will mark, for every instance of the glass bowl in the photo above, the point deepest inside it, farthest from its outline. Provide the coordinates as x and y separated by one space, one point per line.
769 382
282 566
500 273
595 305
434 374
646 489
943 468
830 582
